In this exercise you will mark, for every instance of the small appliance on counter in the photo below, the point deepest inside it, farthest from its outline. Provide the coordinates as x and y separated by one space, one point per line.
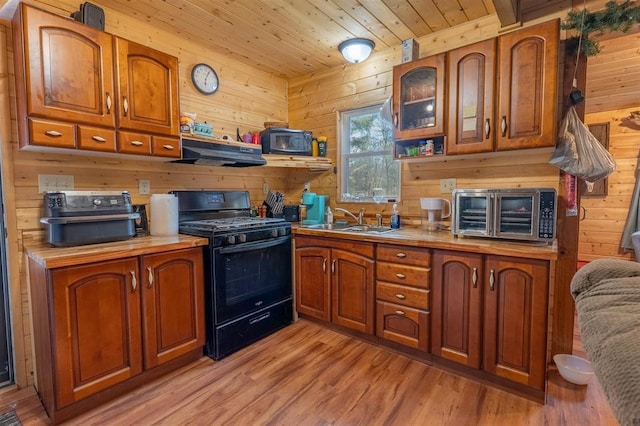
74 218
433 211
315 208
279 140
527 214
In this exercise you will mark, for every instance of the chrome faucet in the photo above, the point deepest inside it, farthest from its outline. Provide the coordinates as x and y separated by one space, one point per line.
379 219
359 219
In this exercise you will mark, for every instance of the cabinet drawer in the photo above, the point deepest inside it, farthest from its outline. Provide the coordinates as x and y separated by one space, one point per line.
95 139
52 133
134 143
165 147
406 326
403 255
403 295
404 274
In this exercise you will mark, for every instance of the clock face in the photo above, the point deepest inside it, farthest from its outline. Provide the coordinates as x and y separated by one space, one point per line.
204 79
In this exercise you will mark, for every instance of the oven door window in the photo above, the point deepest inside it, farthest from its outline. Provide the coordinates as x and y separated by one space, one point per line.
516 215
473 214
251 276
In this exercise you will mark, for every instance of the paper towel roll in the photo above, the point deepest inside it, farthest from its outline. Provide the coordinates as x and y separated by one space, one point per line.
164 214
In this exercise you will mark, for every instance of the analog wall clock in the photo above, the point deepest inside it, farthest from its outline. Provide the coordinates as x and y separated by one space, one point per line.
204 79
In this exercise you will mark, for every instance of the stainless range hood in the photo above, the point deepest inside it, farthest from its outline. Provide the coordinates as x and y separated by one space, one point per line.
220 154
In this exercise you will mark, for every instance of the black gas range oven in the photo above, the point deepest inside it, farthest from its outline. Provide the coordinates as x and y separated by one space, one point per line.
248 285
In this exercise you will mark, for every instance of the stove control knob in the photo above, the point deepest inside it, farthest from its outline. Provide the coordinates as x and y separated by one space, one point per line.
231 239
274 233
242 238
97 201
282 232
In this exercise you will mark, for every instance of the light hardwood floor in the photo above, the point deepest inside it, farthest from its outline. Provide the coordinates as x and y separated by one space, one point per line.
308 375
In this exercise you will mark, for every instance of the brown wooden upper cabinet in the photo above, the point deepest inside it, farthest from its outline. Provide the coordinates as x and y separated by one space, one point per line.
471 77
418 98
69 94
527 89
147 90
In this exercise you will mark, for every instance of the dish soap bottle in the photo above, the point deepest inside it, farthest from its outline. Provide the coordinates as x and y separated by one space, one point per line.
395 217
328 215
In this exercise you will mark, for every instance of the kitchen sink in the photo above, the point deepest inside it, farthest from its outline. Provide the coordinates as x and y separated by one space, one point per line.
360 229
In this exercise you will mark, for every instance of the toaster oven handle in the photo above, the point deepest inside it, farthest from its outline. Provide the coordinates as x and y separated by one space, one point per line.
72 219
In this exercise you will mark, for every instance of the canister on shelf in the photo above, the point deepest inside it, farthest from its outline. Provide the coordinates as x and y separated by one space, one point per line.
314 147
428 147
322 146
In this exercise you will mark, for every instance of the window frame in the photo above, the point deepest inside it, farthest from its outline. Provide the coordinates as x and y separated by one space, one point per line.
344 155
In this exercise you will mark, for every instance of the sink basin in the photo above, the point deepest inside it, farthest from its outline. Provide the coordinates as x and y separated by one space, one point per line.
360 229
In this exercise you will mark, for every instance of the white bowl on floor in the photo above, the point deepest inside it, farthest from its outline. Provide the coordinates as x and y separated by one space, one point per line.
574 369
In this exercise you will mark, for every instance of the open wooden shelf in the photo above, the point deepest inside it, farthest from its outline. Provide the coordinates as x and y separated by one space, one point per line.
319 164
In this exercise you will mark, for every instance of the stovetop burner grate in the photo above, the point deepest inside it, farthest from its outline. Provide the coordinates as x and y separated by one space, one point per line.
231 223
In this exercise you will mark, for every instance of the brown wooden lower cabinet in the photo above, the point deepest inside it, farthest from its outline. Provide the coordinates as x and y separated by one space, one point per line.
491 314
99 325
335 282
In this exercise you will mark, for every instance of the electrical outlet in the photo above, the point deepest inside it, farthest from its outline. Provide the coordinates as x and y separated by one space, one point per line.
55 183
307 186
265 188
447 185
144 186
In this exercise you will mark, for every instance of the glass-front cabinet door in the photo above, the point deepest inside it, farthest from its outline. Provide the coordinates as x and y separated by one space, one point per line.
418 98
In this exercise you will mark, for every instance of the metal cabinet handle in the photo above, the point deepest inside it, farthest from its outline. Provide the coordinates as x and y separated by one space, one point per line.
401 276
333 266
487 128
401 296
395 120
125 105
150 271
108 103
492 280
503 125
98 139
134 282
401 255
169 147
474 277
399 312
136 143
324 265
53 133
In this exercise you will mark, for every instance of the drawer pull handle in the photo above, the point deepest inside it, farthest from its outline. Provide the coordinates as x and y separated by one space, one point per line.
168 147
53 133
136 143
134 282
98 139
474 278
150 271
399 312
401 296
108 103
401 276
401 255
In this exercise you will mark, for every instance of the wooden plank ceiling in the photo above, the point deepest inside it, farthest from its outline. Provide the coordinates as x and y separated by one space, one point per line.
294 37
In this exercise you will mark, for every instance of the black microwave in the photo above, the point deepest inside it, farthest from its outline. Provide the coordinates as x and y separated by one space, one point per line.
279 140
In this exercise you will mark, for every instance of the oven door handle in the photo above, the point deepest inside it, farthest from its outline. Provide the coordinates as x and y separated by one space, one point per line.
260 245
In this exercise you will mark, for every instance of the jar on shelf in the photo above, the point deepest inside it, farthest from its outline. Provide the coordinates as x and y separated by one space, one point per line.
322 146
422 148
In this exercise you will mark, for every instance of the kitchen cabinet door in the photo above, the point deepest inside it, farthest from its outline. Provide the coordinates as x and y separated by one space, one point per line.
457 307
66 72
147 89
515 319
352 290
172 305
418 98
527 88
313 283
96 327
471 76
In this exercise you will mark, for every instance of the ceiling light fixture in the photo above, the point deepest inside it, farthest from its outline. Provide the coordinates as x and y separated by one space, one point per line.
357 49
